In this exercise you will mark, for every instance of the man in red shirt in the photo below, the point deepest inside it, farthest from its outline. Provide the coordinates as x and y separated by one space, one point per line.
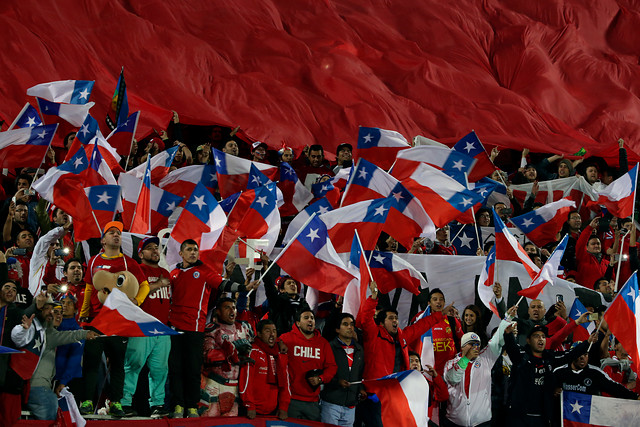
591 262
113 260
191 285
264 383
152 351
311 363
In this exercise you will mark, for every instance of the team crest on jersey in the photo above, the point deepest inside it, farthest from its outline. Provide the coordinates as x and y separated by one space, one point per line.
448 330
196 274
588 382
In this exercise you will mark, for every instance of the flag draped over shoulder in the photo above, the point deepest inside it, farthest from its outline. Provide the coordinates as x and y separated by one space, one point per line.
402 398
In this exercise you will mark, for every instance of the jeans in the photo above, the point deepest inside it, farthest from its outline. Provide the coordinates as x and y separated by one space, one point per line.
331 413
43 403
304 410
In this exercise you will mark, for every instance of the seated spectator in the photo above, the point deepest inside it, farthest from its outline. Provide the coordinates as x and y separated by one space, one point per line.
264 381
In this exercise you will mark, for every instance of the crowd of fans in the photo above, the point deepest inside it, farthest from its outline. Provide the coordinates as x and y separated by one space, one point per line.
235 358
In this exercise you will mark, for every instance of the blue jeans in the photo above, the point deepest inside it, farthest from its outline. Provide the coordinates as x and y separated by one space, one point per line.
331 413
43 403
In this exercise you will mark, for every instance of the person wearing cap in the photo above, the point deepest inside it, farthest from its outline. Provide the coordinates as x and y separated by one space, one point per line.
344 158
468 376
113 260
579 376
69 356
38 335
530 395
259 152
150 351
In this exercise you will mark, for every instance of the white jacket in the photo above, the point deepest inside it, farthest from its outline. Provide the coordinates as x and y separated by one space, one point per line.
476 408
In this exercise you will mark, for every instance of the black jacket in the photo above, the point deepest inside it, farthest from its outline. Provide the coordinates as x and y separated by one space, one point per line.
332 391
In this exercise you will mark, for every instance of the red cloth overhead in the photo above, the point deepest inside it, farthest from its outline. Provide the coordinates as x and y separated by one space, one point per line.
550 75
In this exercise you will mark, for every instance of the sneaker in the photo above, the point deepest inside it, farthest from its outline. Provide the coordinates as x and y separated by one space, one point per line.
86 408
158 412
178 412
129 411
115 410
192 413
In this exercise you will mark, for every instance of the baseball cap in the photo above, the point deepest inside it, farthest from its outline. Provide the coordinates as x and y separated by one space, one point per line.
539 328
258 144
144 242
468 338
344 145
116 224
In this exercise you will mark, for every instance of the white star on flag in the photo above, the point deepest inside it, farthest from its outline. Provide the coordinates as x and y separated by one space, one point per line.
84 94
466 202
458 165
77 162
155 332
470 146
362 174
325 188
489 257
218 161
313 234
199 201
171 206
84 129
262 201
380 210
379 258
31 122
367 139
527 223
632 293
323 210
482 191
38 344
465 240
575 407
42 134
104 198
397 196
256 179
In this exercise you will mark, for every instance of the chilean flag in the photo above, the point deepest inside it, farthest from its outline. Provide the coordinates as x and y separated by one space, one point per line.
202 220
160 164
585 410
296 196
584 330
28 117
370 182
548 273
105 202
442 158
88 135
162 203
403 398
319 207
486 281
256 178
119 316
380 146
367 217
484 188
67 91
543 224
443 198
181 182
233 172
311 259
356 291
471 146
618 196
622 317
509 249
391 272
121 137
26 146
69 116
141 222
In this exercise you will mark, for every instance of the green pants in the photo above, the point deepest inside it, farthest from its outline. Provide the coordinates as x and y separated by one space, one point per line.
154 351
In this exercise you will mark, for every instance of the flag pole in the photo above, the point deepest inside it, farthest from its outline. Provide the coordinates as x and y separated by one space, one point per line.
615 288
96 220
362 249
35 175
475 227
459 231
295 236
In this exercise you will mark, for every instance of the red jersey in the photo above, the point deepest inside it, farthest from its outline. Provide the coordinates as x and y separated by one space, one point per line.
92 305
157 303
444 346
190 291
306 355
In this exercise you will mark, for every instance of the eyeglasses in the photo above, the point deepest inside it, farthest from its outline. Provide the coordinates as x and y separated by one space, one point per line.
474 344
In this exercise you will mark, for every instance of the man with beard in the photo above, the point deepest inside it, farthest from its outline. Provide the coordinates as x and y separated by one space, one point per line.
37 333
311 363
22 251
227 344
152 351
264 382
16 221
